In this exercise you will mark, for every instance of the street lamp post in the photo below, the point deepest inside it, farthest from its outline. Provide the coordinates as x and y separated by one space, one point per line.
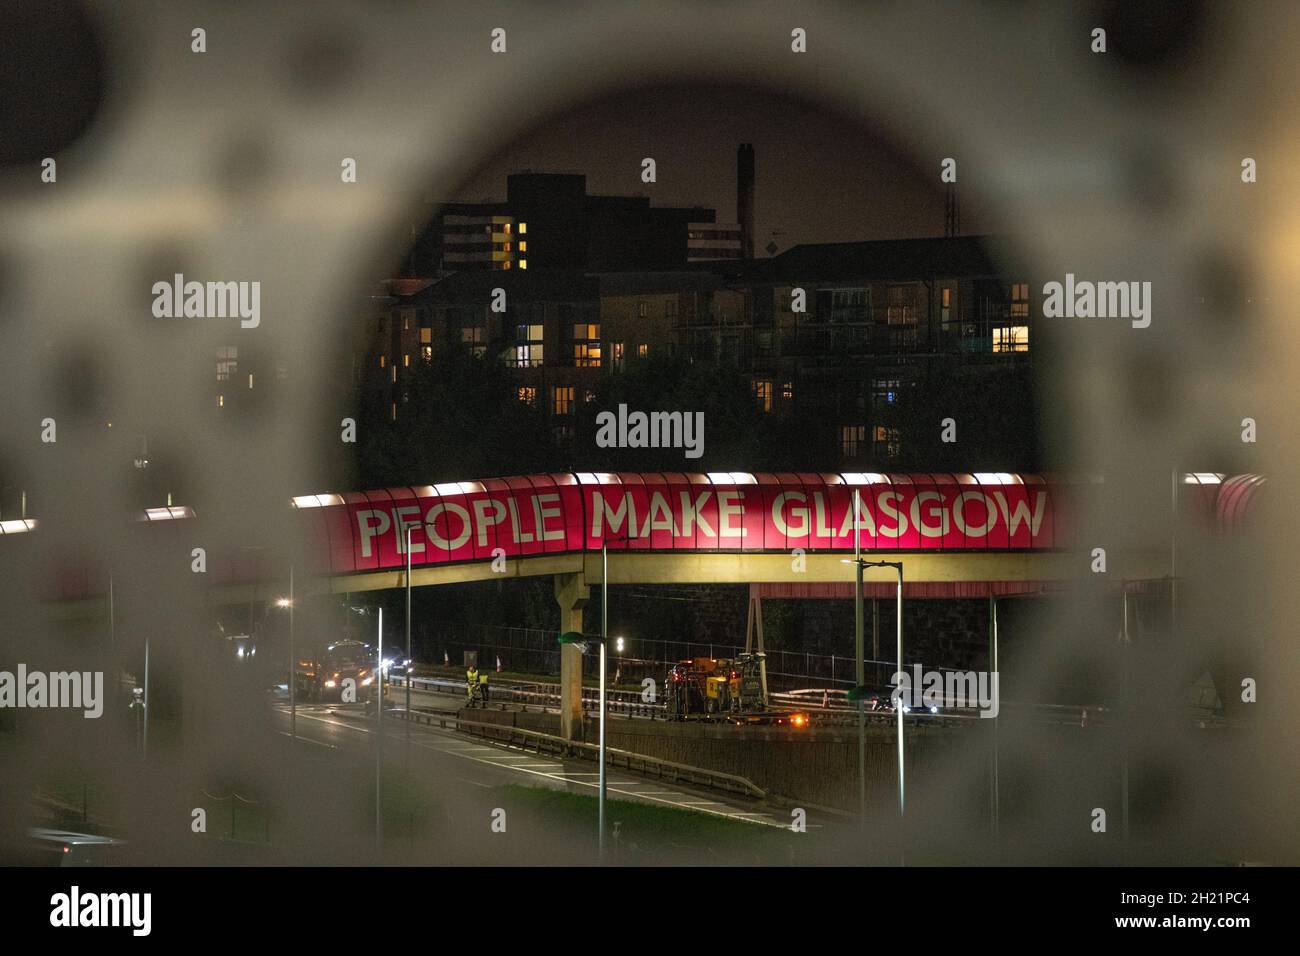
573 637
859 693
860 667
144 742
604 639
379 741
408 647
576 639
293 668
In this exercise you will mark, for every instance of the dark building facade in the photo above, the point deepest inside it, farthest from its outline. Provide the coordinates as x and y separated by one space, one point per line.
548 221
844 335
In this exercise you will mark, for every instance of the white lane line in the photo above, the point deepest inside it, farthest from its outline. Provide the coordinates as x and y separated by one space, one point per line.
308 740
735 815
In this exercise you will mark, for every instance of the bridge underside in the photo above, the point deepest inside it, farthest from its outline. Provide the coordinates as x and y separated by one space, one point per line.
719 568
994 572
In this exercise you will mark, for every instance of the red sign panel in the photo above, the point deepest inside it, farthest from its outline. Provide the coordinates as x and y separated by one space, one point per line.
563 513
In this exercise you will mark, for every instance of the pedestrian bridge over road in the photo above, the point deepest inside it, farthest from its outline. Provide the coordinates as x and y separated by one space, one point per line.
959 535
954 531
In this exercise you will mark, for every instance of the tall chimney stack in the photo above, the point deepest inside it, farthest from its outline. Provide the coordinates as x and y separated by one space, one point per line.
745 198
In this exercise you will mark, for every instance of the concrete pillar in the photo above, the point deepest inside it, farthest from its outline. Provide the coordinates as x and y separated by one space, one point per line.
572 594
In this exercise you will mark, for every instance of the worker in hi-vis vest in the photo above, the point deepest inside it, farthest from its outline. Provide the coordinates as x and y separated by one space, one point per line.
483 683
471 681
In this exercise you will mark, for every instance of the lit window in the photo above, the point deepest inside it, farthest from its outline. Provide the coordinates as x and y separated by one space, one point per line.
528 394
392 414
642 350
1014 338
763 392
586 345
506 229
523 263
392 373
642 309
523 228
426 352
250 379
562 399
227 363
381 361
426 335
221 401
887 441
884 391
618 355
902 305
787 391
851 439
1019 301
528 346
523 245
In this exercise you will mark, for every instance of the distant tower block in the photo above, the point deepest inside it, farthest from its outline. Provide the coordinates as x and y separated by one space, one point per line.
951 212
745 198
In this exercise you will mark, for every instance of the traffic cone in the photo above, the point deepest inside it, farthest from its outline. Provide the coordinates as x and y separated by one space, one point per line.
498 663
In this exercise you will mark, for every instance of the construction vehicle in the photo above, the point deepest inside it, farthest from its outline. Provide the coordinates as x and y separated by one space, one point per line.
715 687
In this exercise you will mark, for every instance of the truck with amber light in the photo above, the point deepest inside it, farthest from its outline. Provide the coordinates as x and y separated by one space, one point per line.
724 690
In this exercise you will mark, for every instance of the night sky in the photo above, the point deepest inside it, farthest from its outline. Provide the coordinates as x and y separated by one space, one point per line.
821 176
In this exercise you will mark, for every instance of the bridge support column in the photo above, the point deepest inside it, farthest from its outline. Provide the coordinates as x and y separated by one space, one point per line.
572 594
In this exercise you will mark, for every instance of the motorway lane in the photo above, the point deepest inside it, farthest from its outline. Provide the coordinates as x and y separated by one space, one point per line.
487 765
